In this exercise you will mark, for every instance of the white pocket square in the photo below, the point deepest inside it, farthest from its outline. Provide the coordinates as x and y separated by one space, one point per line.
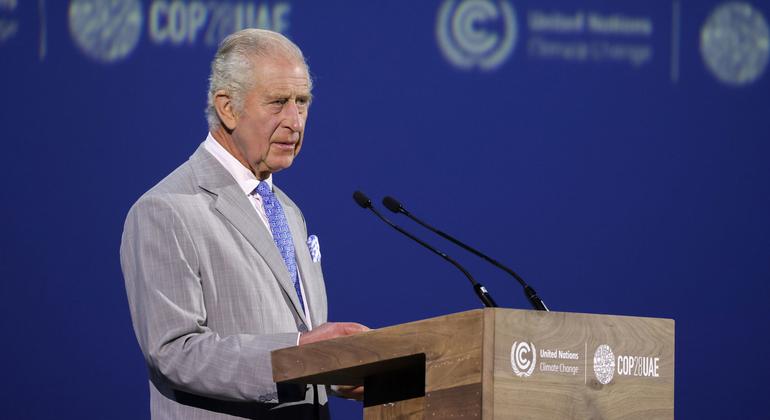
314 247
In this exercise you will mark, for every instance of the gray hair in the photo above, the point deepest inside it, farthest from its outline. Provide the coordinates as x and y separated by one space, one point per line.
232 69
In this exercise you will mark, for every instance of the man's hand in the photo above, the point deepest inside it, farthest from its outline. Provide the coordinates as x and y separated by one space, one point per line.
331 330
351 392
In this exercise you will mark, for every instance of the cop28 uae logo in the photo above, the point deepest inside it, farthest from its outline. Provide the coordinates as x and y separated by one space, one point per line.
476 33
604 364
522 364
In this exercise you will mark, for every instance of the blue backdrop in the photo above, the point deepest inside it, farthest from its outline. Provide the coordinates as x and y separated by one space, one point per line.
614 153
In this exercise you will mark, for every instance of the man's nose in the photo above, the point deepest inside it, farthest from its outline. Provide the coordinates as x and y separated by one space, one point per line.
292 118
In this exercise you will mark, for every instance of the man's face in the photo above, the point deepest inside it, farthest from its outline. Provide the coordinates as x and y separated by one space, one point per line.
269 131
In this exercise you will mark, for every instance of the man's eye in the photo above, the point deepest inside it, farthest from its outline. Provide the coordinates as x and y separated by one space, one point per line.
279 101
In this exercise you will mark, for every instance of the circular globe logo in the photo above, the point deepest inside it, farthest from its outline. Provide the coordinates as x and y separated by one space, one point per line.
735 43
106 30
523 365
476 33
604 364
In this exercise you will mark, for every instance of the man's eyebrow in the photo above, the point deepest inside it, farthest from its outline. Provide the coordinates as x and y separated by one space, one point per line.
285 91
281 94
277 93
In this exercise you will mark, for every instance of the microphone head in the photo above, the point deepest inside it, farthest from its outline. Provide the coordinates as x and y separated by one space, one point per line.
392 204
362 200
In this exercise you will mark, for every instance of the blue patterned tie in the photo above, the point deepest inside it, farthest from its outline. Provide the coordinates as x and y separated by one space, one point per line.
281 233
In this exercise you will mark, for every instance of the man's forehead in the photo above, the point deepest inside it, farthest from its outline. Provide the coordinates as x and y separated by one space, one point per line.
285 85
282 75
279 62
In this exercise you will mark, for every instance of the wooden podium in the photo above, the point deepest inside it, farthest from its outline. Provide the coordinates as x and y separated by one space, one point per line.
500 364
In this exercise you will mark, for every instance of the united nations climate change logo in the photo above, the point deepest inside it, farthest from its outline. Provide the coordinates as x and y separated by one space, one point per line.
106 30
604 364
475 33
523 366
735 44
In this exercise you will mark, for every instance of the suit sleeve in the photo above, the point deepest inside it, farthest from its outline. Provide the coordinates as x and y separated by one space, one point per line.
160 267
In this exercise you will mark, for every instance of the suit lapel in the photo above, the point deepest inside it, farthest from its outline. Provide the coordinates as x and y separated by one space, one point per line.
235 207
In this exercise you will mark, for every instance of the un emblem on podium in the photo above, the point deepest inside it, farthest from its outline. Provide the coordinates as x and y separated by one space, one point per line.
522 364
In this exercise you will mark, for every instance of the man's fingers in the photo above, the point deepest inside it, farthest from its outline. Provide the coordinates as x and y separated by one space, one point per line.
352 392
331 330
353 327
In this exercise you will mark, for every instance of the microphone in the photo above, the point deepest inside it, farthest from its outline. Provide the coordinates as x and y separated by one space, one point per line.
395 206
364 201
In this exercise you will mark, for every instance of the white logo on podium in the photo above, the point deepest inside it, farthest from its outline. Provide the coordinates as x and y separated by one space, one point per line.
735 43
521 365
604 364
476 32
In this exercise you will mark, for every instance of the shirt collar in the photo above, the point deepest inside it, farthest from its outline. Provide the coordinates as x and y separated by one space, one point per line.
242 175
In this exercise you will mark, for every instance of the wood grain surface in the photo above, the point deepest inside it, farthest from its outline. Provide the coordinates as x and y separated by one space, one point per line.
468 369
452 346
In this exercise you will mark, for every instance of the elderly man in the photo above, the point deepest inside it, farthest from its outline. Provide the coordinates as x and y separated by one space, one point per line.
215 257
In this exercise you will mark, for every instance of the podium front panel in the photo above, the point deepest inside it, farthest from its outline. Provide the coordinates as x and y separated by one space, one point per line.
579 366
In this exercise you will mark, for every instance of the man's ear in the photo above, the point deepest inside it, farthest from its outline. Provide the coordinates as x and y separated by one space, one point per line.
223 103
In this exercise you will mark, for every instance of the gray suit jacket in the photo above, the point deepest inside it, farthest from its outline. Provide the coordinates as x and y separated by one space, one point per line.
210 296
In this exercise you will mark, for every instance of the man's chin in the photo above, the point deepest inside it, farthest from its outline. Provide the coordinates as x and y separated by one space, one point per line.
280 164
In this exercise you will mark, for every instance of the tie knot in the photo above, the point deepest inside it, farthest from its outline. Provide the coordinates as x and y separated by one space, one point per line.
263 189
